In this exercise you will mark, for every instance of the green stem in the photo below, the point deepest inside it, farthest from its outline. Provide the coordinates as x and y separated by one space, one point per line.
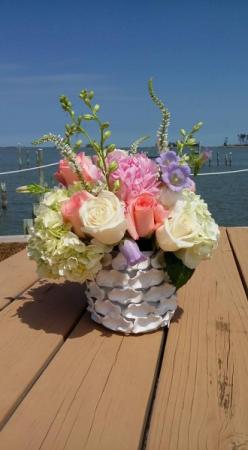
101 154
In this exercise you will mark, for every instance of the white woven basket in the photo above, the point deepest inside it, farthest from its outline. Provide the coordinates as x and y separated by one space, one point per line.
132 299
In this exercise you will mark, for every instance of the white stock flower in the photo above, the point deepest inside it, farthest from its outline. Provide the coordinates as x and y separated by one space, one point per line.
190 230
103 218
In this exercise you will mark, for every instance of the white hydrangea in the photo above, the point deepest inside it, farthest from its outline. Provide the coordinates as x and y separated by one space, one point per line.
57 251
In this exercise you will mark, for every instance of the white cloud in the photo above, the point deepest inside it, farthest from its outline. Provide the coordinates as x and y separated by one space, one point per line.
50 78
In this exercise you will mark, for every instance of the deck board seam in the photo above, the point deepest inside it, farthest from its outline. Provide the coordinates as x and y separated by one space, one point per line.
242 278
12 299
151 400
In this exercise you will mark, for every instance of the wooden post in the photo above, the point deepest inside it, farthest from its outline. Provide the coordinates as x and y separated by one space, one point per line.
39 162
218 159
35 206
4 195
27 224
19 155
27 158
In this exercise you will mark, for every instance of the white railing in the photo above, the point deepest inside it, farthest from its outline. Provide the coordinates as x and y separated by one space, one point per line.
56 163
30 168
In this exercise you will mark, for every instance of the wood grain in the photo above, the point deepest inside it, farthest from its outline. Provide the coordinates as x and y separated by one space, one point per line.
32 328
17 273
202 395
95 394
238 238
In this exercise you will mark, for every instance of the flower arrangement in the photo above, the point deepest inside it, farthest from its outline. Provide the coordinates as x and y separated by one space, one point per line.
121 201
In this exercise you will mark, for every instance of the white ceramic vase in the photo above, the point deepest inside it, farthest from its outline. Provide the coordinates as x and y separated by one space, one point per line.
132 299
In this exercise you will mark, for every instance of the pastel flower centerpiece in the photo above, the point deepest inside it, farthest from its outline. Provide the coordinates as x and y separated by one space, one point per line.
130 226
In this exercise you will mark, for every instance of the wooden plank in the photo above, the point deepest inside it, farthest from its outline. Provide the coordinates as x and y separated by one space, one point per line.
238 238
12 238
32 328
202 395
17 273
95 394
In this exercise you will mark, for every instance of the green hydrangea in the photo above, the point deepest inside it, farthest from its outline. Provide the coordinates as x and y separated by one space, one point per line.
57 251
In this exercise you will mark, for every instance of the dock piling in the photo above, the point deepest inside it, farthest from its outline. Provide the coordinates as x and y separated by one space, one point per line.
4 195
39 162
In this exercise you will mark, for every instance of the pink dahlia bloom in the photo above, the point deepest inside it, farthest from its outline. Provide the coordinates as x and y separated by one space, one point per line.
137 174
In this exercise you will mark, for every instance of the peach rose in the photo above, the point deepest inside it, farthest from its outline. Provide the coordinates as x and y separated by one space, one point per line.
70 211
144 215
67 176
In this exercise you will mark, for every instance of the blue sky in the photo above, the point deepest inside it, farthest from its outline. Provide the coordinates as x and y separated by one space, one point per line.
196 52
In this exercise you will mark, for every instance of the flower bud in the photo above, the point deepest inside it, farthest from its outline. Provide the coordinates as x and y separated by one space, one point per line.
106 135
197 126
96 108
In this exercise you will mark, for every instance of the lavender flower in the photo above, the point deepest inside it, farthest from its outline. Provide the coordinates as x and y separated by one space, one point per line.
167 158
176 176
131 251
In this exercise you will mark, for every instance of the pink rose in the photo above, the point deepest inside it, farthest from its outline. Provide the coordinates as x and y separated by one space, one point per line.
144 215
70 210
67 176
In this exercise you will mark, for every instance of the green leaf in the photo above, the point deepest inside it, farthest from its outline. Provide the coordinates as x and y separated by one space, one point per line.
179 145
183 132
179 274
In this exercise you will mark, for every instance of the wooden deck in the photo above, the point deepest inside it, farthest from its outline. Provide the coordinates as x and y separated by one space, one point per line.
66 383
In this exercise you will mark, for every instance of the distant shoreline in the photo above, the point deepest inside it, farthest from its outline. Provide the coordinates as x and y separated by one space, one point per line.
231 146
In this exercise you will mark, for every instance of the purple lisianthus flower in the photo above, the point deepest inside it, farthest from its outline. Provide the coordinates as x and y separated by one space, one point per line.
167 158
131 251
176 176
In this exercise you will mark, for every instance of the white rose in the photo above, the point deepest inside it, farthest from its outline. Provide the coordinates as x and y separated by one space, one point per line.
103 218
178 231
189 227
